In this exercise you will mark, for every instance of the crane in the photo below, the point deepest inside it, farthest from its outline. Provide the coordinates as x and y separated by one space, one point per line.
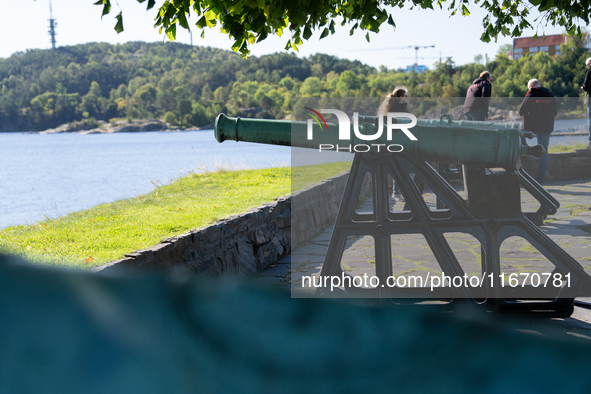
440 57
416 47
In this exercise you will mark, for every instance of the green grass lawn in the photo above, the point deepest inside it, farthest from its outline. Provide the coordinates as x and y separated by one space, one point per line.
566 147
304 176
107 232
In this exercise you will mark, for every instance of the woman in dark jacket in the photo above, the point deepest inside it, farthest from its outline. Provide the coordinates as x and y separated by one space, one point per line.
587 88
395 102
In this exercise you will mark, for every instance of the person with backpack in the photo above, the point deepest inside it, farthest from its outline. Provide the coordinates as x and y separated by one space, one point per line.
587 88
478 97
538 110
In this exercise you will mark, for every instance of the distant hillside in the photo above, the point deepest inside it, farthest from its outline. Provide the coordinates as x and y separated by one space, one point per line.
186 84
189 85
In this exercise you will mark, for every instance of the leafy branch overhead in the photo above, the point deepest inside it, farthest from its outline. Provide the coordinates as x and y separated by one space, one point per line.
251 21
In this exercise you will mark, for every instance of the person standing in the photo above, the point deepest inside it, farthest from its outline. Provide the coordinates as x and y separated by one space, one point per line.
478 97
538 110
397 101
587 88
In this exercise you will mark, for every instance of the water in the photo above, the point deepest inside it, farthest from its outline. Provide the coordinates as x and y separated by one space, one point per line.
567 140
52 175
570 124
567 125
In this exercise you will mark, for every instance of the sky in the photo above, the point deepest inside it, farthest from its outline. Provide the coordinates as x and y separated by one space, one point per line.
24 25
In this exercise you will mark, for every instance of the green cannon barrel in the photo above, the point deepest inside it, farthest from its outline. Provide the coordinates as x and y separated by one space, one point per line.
443 140
274 132
447 120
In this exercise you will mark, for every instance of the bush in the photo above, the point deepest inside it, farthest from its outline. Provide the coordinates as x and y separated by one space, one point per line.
170 117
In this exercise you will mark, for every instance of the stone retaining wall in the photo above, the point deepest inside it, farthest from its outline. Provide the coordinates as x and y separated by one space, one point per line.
566 165
245 244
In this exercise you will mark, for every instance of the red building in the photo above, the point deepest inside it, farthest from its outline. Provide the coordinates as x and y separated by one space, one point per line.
549 44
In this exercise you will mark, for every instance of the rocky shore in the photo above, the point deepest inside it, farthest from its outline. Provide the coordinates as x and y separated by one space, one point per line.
119 126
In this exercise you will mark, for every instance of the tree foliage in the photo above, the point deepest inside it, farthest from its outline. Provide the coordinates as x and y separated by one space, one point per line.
41 89
251 21
189 86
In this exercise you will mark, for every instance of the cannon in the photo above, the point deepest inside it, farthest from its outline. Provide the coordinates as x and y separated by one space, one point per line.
548 204
481 144
491 213
436 140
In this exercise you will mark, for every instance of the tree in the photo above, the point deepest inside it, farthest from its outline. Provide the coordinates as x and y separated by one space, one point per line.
44 88
504 50
311 87
170 117
206 93
184 108
248 22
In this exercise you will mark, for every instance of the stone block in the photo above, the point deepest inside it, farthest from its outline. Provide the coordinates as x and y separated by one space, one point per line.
248 265
286 240
162 248
282 222
265 255
192 259
163 255
260 237
278 245
141 257
578 167
179 241
564 165
230 262
582 152
209 265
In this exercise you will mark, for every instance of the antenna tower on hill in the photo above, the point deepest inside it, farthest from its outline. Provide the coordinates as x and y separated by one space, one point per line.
52 26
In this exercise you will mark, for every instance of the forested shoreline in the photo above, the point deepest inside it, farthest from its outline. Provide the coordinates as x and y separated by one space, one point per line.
188 85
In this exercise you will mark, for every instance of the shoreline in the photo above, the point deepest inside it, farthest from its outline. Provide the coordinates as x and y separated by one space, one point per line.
204 128
120 126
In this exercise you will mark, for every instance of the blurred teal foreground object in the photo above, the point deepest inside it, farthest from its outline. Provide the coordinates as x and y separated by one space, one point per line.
441 141
72 332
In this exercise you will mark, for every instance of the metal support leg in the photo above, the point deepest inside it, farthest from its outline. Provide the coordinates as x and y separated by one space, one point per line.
412 175
548 204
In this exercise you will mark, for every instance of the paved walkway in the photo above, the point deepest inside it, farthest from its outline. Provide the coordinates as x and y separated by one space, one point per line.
570 228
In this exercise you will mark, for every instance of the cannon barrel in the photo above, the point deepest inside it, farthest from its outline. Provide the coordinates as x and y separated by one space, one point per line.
447 120
443 140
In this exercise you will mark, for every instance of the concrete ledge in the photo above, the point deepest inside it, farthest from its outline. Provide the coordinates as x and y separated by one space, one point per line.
245 244
566 165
